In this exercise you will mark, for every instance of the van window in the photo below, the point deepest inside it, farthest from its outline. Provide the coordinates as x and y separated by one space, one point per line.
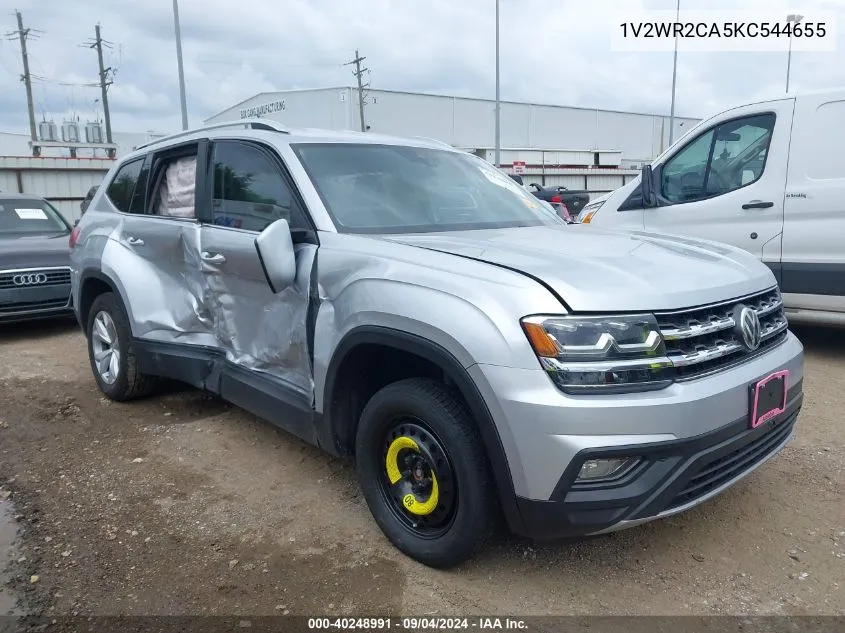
825 161
683 175
725 158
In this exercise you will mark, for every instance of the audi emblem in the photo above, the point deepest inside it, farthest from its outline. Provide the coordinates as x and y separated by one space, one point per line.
29 279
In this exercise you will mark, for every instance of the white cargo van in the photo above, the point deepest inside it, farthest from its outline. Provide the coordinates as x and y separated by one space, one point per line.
768 177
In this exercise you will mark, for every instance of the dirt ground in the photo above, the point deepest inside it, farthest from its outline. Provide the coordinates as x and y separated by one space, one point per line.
182 505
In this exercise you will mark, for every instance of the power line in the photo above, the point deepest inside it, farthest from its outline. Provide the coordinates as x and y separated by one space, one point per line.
359 72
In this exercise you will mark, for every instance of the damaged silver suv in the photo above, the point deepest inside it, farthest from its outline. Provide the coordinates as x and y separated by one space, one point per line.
407 304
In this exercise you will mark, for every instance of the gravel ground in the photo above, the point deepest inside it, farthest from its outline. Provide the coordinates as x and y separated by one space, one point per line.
183 505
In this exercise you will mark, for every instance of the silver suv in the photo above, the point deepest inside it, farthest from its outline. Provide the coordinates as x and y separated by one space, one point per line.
408 304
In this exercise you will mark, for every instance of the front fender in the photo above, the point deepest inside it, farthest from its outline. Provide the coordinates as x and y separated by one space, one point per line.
497 438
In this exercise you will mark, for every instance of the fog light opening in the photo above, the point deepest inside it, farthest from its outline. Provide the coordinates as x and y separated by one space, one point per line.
606 468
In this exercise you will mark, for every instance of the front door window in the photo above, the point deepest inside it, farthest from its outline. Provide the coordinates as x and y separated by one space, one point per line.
725 158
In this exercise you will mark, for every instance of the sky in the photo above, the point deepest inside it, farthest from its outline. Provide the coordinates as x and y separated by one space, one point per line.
552 51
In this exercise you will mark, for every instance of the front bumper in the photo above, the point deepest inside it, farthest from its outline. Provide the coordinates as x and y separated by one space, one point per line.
693 438
22 304
673 476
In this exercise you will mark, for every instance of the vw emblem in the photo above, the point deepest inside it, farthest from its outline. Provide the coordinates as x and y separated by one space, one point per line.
748 326
29 279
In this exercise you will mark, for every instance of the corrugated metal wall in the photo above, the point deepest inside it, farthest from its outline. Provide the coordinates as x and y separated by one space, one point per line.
570 182
466 122
62 181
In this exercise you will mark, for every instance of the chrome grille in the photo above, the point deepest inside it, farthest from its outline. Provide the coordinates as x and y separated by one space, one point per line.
52 277
703 340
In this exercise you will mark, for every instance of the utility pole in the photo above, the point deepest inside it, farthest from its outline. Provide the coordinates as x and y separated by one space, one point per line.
23 34
792 17
359 72
674 80
98 43
498 136
179 65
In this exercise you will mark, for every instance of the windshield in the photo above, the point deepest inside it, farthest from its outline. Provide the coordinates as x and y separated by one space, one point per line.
369 188
22 216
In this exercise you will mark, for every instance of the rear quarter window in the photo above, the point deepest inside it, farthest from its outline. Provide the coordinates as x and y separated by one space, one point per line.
122 186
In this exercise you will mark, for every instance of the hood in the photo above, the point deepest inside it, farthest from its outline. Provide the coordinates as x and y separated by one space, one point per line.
34 251
596 270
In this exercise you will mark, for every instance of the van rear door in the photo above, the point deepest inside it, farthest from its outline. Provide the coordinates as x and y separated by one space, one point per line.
813 268
726 182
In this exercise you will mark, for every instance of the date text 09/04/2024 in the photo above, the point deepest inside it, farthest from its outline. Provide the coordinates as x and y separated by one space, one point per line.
418 623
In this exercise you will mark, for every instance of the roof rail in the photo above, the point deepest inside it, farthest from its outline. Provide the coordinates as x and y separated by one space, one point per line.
250 124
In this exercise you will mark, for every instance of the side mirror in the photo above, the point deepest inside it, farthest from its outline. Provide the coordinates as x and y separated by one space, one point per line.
647 184
275 251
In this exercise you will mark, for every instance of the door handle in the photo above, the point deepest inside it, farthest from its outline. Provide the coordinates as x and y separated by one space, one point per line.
213 258
134 241
758 204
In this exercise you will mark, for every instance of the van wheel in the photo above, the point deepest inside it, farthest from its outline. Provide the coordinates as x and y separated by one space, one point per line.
424 473
110 351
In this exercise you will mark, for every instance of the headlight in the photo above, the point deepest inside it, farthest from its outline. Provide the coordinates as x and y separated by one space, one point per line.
601 354
589 211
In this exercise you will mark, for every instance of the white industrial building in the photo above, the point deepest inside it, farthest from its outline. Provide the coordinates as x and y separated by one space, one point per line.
579 148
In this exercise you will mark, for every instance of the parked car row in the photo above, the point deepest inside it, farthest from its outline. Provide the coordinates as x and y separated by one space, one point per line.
408 304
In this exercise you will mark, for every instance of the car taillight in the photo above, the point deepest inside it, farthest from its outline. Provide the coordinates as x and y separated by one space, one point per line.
556 199
74 236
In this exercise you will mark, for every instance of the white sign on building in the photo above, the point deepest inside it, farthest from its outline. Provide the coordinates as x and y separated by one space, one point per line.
263 110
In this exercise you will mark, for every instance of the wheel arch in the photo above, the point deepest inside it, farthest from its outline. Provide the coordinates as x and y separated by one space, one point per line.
336 429
93 283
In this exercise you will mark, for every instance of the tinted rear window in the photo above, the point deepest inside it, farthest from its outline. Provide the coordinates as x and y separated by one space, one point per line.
123 186
23 216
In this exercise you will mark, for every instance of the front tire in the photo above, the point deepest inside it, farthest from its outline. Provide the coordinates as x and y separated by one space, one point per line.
111 353
424 472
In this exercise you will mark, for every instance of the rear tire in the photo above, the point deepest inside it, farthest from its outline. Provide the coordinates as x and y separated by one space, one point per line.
455 506
111 353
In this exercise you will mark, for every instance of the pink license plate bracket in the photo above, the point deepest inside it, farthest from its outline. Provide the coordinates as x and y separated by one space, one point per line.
768 397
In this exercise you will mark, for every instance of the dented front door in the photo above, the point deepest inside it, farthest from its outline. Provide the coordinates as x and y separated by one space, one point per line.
258 330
